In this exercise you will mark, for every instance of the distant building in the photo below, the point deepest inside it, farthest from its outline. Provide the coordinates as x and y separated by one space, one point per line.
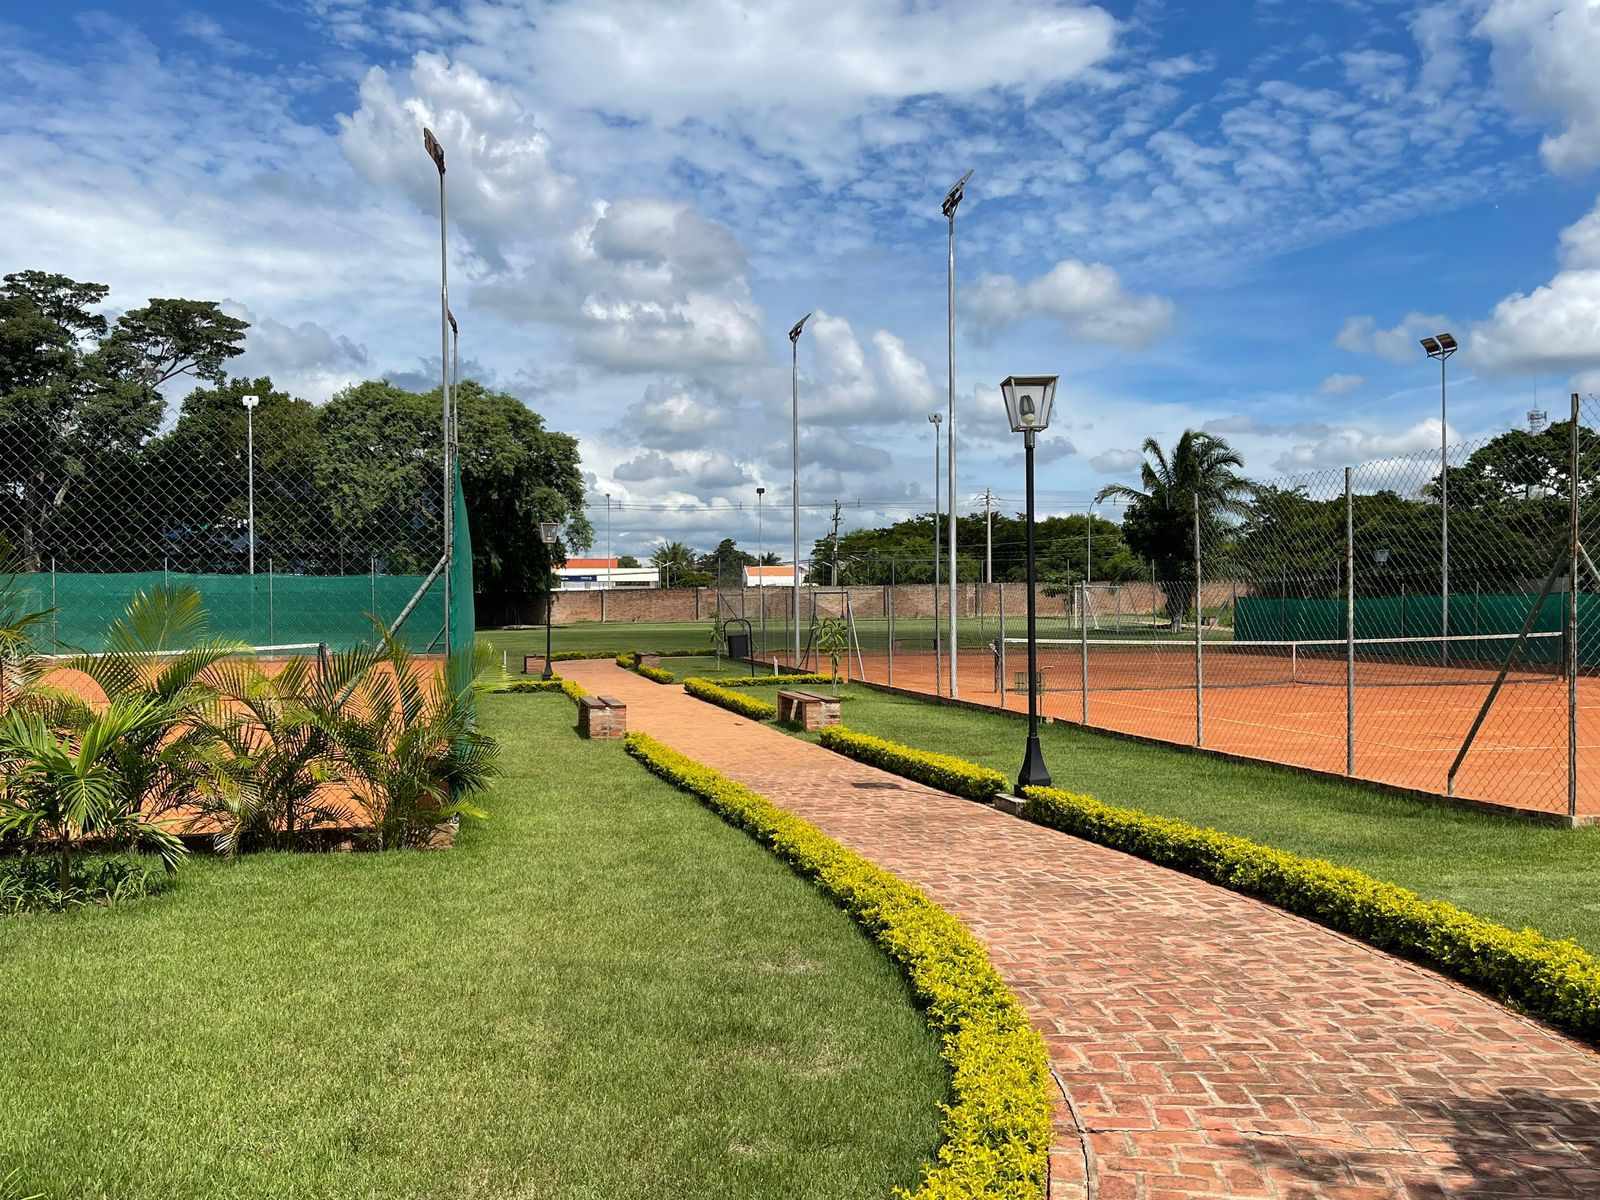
778 576
594 574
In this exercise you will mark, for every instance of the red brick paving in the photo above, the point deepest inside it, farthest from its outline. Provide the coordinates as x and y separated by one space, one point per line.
1211 1046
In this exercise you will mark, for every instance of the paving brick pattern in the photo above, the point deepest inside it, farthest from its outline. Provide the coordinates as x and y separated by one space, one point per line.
1208 1044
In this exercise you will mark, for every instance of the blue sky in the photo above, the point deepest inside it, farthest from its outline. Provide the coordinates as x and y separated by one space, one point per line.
1232 215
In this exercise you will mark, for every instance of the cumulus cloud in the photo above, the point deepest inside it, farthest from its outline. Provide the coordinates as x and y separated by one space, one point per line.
849 387
1555 327
701 472
676 415
1116 462
497 157
1341 385
304 357
1317 447
1399 344
1087 299
1543 54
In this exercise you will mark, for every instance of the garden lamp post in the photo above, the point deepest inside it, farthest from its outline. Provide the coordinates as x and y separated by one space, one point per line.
794 417
250 403
547 535
1028 399
952 201
1441 348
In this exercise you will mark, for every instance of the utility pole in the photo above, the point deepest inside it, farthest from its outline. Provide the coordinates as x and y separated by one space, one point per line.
835 542
988 536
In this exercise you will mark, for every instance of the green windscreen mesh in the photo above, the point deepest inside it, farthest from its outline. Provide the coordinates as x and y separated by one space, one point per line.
463 613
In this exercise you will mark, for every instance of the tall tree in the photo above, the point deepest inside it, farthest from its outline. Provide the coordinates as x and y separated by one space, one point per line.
1159 523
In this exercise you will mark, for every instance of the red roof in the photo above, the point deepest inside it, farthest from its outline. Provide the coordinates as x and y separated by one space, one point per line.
590 563
786 569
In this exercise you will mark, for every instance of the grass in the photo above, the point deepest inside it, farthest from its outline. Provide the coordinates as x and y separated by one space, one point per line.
1503 869
604 990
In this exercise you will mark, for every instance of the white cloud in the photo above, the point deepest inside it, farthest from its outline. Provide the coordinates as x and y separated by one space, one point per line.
1088 299
303 358
1116 462
498 166
849 388
1324 447
1543 52
1555 327
1399 344
1340 385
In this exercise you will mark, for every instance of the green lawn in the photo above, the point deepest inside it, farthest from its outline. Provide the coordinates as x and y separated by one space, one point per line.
602 991
1503 869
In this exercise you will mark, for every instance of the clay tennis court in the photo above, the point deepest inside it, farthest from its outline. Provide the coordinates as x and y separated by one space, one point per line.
1410 717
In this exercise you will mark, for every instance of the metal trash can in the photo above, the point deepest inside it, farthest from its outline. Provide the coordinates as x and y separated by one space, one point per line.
736 634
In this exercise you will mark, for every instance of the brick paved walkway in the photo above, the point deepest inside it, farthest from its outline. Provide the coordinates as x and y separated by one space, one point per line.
1211 1046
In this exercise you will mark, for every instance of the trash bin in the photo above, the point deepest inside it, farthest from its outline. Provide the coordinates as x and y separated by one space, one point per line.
736 633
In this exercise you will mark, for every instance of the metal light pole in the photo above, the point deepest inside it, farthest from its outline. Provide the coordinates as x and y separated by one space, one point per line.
547 534
250 403
934 419
761 554
1028 400
608 541
952 201
436 152
794 415
1442 348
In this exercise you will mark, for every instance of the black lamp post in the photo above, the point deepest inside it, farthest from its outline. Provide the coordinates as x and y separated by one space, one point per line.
547 534
1028 399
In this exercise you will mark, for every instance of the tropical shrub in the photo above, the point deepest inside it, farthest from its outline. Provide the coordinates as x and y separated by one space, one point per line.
29 883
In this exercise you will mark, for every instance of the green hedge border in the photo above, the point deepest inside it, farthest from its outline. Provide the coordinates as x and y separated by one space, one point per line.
745 706
585 655
744 681
943 771
1555 979
632 660
995 1132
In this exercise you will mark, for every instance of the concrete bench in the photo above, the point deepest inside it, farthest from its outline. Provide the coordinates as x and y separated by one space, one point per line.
808 710
602 717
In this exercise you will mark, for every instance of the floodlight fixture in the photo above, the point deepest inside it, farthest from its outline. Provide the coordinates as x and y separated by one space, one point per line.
952 200
1380 556
1448 343
435 151
451 317
1441 347
250 401
794 334
1028 401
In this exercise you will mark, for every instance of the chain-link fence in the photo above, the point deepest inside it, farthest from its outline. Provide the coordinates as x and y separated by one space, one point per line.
303 543
1436 630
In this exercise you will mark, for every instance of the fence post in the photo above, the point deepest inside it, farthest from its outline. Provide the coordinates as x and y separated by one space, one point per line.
1083 643
1349 627
1199 663
891 622
1572 624
1002 644
373 568
55 612
272 634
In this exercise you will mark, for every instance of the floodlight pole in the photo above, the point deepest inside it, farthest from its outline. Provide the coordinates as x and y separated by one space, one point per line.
794 419
250 403
1033 773
608 541
937 650
952 201
761 554
436 153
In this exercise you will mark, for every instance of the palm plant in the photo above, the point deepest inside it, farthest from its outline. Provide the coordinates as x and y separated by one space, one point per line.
61 787
1202 471
409 747
160 652
833 639
281 733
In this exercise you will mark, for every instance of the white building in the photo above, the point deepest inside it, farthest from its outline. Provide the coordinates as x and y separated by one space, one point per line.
595 574
778 576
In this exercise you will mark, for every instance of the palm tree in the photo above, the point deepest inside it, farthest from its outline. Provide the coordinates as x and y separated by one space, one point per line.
1159 522
674 559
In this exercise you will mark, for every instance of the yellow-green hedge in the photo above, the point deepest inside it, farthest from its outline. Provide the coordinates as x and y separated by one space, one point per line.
995 1134
656 674
942 771
745 706
742 681
628 659
1554 979
553 684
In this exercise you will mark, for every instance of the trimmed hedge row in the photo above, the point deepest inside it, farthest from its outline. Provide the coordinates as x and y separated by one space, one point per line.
553 684
576 655
995 1132
745 706
1554 979
943 771
656 674
741 681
